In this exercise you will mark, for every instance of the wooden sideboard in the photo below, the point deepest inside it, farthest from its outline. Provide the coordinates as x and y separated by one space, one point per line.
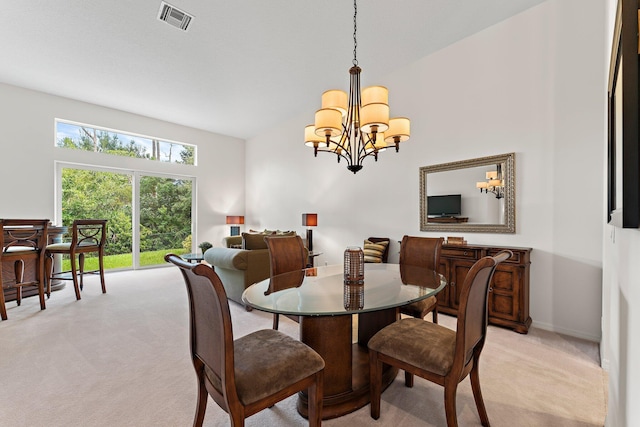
55 234
508 291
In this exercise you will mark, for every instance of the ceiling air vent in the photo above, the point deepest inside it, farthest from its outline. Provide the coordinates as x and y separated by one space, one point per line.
173 16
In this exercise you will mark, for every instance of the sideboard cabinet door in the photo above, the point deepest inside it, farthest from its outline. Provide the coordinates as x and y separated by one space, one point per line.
509 290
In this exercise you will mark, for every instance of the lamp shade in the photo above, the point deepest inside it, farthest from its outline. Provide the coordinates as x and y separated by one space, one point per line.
371 115
235 219
335 99
310 219
375 95
328 122
399 129
492 175
310 137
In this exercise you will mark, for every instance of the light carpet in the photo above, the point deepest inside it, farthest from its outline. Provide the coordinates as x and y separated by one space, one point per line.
122 359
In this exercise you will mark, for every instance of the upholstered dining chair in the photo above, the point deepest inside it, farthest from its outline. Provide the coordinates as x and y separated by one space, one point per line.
87 236
249 374
437 353
287 254
422 252
22 240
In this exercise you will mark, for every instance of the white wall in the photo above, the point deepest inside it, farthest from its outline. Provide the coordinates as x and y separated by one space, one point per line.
532 85
620 345
27 166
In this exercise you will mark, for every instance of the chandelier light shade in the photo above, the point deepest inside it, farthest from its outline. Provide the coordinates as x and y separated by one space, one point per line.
356 125
336 99
494 183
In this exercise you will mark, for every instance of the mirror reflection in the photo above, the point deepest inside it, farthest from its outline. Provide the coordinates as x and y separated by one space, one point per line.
471 195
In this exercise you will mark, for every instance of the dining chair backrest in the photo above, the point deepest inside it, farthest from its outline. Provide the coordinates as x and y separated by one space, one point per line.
88 233
287 254
472 312
437 353
421 251
22 239
210 329
23 235
265 367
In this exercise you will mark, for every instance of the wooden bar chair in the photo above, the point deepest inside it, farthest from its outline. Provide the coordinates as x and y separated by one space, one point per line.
249 374
437 353
286 254
87 236
22 240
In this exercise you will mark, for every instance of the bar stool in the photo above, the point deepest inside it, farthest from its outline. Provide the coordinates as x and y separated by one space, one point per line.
87 236
20 240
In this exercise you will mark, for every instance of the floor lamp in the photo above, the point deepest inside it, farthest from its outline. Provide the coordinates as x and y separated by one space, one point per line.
309 220
235 229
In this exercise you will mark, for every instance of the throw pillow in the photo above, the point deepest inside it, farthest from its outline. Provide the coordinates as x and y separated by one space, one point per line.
373 251
253 241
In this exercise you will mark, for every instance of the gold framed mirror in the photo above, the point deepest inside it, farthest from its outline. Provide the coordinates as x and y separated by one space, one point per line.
476 195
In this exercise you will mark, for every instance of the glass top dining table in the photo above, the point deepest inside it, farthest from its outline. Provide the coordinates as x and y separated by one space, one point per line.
330 311
322 291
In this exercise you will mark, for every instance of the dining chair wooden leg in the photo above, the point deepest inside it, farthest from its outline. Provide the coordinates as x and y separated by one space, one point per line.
237 416
408 379
450 390
375 383
474 377
74 276
434 314
201 405
18 270
3 308
41 282
81 265
101 267
276 321
48 268
315 400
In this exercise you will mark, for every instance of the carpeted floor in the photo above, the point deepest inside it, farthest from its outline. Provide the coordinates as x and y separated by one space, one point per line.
122 359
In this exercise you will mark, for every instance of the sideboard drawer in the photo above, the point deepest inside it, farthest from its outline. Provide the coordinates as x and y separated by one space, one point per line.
467 253
518 257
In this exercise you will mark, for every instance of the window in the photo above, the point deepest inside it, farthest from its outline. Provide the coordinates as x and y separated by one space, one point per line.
91 138
148 215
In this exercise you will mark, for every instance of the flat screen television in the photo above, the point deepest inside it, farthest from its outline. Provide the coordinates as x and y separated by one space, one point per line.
449 205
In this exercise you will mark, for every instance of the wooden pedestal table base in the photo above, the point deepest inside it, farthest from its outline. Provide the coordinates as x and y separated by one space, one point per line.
346 372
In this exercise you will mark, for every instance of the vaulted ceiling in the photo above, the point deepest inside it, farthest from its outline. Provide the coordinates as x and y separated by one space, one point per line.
241 67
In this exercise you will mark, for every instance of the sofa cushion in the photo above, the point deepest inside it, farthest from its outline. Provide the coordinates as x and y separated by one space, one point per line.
252 241
232 242
373 252
227 258
278 232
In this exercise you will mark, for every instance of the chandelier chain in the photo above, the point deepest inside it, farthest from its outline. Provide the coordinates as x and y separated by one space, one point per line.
355 29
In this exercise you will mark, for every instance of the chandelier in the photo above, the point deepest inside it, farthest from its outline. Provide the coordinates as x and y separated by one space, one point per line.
494 183
356 125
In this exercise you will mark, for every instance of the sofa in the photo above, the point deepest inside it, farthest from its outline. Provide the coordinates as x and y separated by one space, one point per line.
243 261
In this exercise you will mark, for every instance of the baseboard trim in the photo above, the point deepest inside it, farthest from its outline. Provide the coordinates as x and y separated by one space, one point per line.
564 331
